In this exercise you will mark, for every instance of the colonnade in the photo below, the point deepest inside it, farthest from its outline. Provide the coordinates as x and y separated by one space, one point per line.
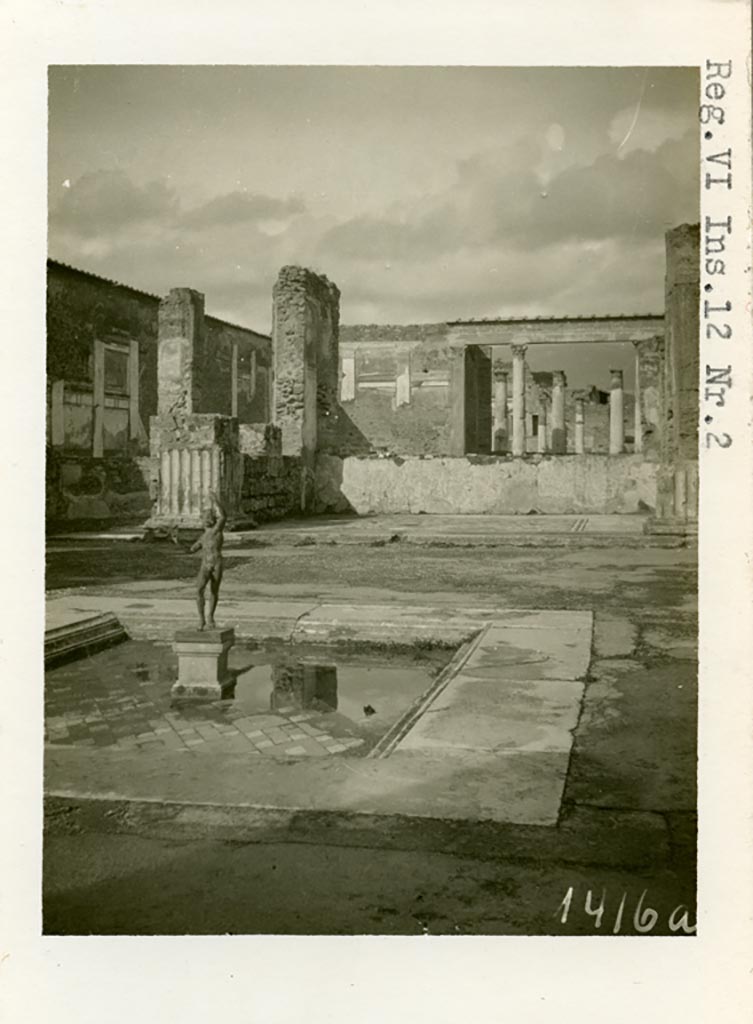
553 436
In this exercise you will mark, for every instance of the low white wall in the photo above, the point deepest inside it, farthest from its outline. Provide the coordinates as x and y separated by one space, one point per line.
486 485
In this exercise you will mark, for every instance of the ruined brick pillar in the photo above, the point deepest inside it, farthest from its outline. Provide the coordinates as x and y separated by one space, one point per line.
519 399
559 430
181 351
192 452
616 414
305 329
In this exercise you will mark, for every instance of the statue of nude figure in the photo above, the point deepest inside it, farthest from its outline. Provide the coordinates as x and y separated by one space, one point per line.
210 570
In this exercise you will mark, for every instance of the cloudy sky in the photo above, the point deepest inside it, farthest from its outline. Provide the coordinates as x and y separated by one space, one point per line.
426 194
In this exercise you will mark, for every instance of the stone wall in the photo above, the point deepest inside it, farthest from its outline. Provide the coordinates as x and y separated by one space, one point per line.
373 387
83 307
271 487
587 484
86 312
259 439
418 428
80 487
253 372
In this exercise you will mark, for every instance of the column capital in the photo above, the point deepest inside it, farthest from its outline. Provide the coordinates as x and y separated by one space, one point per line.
559 380
616 381
519 351
649 346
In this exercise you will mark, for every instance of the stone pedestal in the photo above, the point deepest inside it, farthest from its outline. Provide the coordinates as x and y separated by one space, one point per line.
202 664
194 455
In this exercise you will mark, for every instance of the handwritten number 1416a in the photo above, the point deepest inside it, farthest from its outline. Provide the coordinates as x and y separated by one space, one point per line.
644 918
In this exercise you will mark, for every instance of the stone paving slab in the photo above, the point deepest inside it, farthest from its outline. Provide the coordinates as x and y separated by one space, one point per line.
158 618
488 710
503 717
523 789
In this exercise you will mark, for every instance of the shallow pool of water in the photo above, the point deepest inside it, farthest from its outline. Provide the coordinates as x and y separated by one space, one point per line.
288 701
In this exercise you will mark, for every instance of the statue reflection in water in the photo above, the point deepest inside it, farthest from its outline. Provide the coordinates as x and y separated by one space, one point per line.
301 685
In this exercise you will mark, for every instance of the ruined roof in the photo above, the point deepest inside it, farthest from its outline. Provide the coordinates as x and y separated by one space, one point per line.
550 319
51 263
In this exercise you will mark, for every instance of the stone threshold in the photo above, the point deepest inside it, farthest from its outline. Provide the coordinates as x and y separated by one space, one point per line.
80 635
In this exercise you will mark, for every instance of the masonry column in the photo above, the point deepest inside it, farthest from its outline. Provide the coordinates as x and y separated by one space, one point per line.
305 332
402 379
580 426
649 369
348 380
457 401
559 434
637 412
616 414
542 429
500 439
519 399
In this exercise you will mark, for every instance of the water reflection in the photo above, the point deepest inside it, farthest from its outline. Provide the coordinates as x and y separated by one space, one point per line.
303 685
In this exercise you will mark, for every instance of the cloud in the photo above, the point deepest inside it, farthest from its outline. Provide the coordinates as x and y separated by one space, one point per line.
106 201
102 201
498 198
239 207
498 239
652 128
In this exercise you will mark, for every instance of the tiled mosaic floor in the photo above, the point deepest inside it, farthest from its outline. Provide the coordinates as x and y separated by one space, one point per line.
121 698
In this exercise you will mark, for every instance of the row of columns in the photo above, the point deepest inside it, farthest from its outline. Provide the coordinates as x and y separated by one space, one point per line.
558 429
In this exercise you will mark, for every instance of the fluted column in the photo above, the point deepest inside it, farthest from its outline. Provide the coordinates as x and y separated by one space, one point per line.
500 439
580 426
559 435
616 414
519 399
